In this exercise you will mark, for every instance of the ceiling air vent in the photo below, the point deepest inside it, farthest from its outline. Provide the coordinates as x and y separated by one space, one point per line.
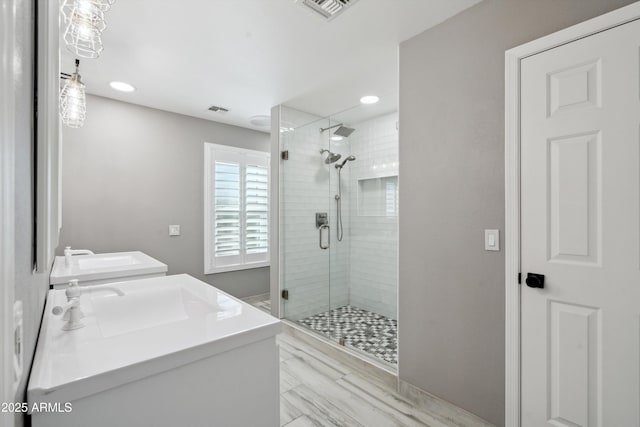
217 109
329 8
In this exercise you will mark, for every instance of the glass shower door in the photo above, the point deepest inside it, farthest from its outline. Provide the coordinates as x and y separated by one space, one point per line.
307 223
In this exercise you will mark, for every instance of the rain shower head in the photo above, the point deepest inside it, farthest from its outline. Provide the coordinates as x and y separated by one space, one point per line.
342 130
332 157
348 159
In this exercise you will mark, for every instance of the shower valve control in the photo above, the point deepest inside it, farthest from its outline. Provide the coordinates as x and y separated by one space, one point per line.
321 219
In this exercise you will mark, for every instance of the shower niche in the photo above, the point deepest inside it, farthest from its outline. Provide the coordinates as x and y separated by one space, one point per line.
378 196
341 275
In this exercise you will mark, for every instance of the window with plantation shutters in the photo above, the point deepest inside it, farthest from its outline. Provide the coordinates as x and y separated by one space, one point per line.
236 208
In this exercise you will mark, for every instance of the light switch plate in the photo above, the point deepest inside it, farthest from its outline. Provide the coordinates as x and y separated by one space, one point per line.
492 240
174 230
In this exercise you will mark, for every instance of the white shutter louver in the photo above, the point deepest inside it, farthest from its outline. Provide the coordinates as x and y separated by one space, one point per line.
257 209
227 209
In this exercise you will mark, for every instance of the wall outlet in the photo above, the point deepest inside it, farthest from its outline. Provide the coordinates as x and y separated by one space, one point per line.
174 230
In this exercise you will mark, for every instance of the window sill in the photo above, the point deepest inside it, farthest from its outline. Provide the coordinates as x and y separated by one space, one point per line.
229 268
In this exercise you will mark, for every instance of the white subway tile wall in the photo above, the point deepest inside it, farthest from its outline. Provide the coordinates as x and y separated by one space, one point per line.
373 263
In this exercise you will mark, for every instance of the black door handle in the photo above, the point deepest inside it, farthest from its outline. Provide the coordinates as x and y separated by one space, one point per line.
535 280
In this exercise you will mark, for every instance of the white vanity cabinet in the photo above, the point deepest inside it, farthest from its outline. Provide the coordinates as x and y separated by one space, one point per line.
172 351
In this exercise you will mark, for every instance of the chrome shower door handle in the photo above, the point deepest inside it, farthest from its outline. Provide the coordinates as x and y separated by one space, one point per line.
324 227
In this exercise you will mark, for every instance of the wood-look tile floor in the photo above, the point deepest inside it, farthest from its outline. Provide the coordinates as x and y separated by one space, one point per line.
262 301
316 390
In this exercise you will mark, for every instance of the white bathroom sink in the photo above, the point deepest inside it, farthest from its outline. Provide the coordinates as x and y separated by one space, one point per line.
159 324
100 268
106 261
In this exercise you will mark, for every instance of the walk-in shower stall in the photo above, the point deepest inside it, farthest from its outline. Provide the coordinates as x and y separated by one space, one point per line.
338 227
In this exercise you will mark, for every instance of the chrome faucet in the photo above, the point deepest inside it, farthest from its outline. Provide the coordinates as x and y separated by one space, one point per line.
68 253
72 314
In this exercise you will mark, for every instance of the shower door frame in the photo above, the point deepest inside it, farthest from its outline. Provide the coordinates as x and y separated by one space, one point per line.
275 234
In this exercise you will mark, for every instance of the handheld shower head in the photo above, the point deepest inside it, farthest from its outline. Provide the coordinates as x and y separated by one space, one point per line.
332 157
339 196
348 159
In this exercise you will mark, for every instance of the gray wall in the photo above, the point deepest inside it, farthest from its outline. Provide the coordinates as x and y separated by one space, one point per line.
130 171
451 294
30 288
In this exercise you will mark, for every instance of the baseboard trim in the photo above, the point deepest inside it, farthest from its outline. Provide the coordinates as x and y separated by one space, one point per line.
453 414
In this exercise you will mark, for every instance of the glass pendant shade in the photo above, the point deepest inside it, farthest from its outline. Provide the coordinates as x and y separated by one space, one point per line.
73 107
85 23
104 5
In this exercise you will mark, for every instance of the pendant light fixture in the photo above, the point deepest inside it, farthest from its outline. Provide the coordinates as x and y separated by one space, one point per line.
105 4
85 23
73 106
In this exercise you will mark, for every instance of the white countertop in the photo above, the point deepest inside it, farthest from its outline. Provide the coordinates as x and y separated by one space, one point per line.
104 266
159 324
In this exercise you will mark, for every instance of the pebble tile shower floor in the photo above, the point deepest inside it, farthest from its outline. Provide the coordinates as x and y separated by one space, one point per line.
370 332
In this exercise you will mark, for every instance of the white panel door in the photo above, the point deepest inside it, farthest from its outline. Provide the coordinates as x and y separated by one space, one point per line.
580 124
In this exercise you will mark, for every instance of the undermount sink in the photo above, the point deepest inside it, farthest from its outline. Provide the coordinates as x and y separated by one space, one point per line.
103 268
152 304
107 261
160 326
140 310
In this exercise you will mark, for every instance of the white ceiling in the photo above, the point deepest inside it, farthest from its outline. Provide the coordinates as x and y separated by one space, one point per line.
249 55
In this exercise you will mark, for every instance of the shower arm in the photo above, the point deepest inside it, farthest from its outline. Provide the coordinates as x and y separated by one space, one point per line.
330 127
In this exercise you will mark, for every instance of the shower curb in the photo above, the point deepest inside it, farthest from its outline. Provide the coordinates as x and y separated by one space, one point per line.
370 368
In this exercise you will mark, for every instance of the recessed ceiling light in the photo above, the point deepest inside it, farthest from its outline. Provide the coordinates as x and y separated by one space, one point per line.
122 86
261 121
337 138
369 99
